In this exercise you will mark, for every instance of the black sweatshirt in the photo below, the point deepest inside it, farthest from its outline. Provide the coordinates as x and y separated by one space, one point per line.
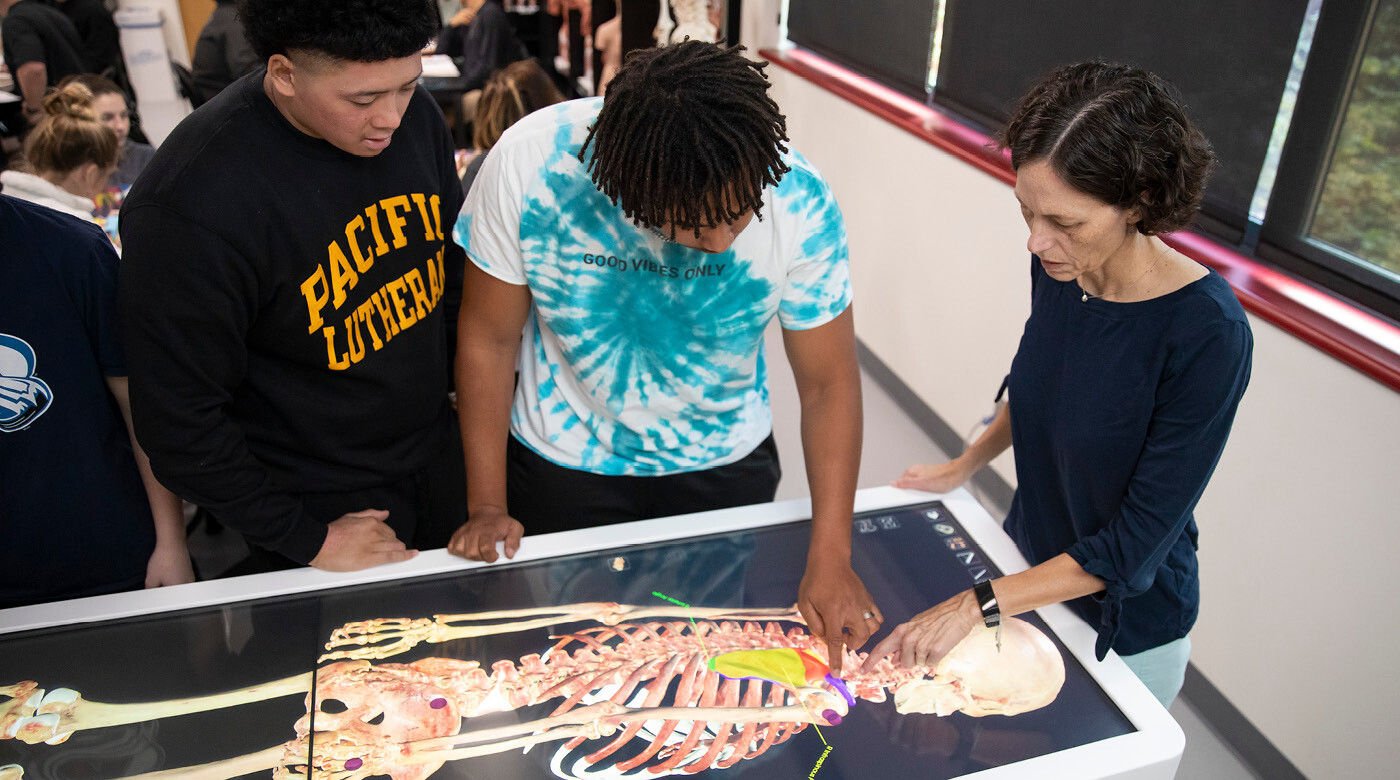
284 304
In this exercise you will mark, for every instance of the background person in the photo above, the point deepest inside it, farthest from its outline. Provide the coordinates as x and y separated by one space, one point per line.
482 44
221 53
80 512
607 41
454 31
293 379
109 102
633 256
101 41
1124 386
70 155
41 47
518 89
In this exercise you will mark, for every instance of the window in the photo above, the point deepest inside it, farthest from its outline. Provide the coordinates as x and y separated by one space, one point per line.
1232 84
1358 212
889 40
1332 218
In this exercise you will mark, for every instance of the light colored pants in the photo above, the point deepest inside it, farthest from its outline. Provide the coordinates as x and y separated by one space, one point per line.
1162 669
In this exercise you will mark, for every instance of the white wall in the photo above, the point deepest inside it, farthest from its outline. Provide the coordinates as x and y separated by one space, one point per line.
174 29
148 53
1300 619
758 24
939 264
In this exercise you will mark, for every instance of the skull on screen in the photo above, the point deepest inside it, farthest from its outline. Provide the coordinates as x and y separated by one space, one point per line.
977 679
364 714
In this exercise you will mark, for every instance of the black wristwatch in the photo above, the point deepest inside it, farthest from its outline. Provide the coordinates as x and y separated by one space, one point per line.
987 600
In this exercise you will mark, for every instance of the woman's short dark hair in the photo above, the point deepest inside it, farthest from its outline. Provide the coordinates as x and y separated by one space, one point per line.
355 30
687 136
1118 134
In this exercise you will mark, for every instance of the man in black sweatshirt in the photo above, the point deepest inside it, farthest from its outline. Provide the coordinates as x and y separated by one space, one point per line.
287 284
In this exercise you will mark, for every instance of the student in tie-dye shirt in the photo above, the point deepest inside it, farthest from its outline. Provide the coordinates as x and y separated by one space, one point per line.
643 243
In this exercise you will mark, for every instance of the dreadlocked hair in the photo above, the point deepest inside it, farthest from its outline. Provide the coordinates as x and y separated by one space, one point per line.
687 136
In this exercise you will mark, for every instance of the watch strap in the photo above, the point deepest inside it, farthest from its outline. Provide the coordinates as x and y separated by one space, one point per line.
987 602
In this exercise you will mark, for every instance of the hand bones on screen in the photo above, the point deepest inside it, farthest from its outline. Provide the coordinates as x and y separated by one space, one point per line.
403 720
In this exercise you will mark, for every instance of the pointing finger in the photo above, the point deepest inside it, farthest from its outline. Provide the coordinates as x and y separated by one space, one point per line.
835 651
888 645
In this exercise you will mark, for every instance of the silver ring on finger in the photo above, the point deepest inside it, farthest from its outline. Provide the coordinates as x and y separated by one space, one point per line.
867 614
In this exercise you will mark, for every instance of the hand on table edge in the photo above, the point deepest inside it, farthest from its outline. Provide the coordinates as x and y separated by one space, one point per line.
360 540
169 564
935 477
952 474
476 539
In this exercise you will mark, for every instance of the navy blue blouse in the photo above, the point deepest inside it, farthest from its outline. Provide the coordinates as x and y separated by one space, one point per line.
1119 413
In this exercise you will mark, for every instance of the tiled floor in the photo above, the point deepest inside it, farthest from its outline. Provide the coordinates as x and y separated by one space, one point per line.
1206 757
892 442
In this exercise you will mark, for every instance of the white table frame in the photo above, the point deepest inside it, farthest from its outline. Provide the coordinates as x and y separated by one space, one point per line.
1151 753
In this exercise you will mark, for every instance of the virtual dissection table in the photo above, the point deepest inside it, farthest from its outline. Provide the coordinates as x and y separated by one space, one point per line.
594 654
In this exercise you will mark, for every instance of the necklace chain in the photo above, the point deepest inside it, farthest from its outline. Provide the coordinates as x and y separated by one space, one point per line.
1086 295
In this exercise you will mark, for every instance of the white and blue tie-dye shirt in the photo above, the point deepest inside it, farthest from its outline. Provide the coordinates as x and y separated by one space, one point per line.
642 356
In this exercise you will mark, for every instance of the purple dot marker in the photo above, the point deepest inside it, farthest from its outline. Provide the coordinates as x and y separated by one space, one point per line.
354 764
832 718
438 703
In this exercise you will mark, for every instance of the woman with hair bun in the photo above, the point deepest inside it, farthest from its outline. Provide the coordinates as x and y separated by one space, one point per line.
110 106
69 154
1123 388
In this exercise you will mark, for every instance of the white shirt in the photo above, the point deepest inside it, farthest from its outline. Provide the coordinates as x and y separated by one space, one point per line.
642 356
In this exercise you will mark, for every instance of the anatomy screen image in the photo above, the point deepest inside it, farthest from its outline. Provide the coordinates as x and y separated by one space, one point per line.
672 658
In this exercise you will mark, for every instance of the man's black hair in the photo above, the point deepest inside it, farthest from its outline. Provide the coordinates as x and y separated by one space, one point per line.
687 136
355 30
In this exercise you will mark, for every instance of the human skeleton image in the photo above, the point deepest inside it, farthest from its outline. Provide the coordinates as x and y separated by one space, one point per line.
694 20
643 690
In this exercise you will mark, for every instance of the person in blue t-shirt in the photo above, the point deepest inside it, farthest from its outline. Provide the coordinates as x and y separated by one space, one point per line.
1124 386
80 512
643 242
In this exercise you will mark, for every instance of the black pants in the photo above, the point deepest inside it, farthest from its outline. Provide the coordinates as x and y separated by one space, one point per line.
425 507
546 497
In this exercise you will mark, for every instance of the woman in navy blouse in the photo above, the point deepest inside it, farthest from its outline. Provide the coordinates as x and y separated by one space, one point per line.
1124 385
